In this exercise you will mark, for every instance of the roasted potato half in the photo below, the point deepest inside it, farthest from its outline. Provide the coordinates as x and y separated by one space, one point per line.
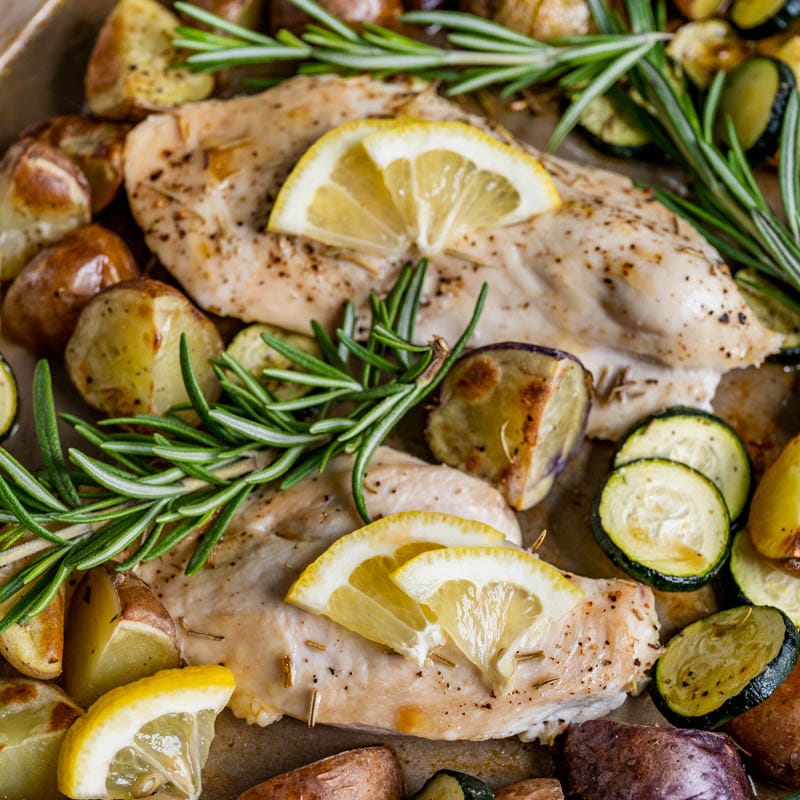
541 19
117 632
607 759
247 13
42 305
284 15
36 648
130 71
532 789
94 145
43 197
368 773
123 355
511 414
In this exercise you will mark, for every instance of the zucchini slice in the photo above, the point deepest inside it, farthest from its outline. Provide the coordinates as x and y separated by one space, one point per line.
9 399
447 784
755 97
759 581
723 665
757 19
762 295
701 441
608 129
663 523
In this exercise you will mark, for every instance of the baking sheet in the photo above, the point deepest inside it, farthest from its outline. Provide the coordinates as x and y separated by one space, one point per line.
44 77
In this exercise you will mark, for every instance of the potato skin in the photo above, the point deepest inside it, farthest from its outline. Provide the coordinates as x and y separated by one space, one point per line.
94 145
770 733
123 356
242 12
42 305
541 19
43 197
608 760
532 789
368 773
382 12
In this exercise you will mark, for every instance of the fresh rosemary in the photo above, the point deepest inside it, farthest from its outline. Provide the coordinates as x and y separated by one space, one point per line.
164 478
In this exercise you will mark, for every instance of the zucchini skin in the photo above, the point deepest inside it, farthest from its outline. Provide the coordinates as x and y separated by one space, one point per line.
470 787
778 22
648 575
681 411
9 424
758 690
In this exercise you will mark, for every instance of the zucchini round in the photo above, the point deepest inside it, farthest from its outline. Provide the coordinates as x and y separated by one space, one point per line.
723 665
9 399
757 19
762 296
700 440
447 784
755 97
608 129
663 523
759 581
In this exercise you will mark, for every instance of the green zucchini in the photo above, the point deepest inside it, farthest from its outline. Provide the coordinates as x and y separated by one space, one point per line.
447 784
9 399
723 665
759 581
774 308
757 19
663 523
608 129
755 97
699 440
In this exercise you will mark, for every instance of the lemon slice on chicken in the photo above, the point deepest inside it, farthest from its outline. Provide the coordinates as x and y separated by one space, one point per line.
381 185
350 581
150 735
490 601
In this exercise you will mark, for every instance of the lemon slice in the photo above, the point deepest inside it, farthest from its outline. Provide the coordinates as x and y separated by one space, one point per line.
489 600
350 581
337 196
150 735
34 716
381 185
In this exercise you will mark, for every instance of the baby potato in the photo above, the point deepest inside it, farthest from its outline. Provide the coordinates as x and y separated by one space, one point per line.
540 19
43 197
123 356
94 145
41 308
382 12
241 12
130 71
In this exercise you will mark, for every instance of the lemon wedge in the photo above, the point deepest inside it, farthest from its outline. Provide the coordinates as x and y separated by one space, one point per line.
350 581
150 735
489 600
34 717
381 185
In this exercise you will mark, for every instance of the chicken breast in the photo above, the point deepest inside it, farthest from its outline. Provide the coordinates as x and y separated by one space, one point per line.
612 276
286 659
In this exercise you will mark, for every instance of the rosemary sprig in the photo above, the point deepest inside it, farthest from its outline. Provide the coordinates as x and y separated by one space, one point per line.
481 53
155 488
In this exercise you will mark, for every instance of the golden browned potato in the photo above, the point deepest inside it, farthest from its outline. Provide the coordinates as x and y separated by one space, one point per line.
541 19
42 305
284 15
123 356
369 773
241 12
94 145
130 70
36 648
533 789
700 9
117 631
770 733
43 196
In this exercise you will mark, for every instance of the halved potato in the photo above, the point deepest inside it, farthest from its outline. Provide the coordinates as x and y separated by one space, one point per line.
36 648
41 307
247 13
540 19
700 9
34 716
117 631
43 197
284 15
511 414
131 69
123 356
94 145
368 773
532 789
